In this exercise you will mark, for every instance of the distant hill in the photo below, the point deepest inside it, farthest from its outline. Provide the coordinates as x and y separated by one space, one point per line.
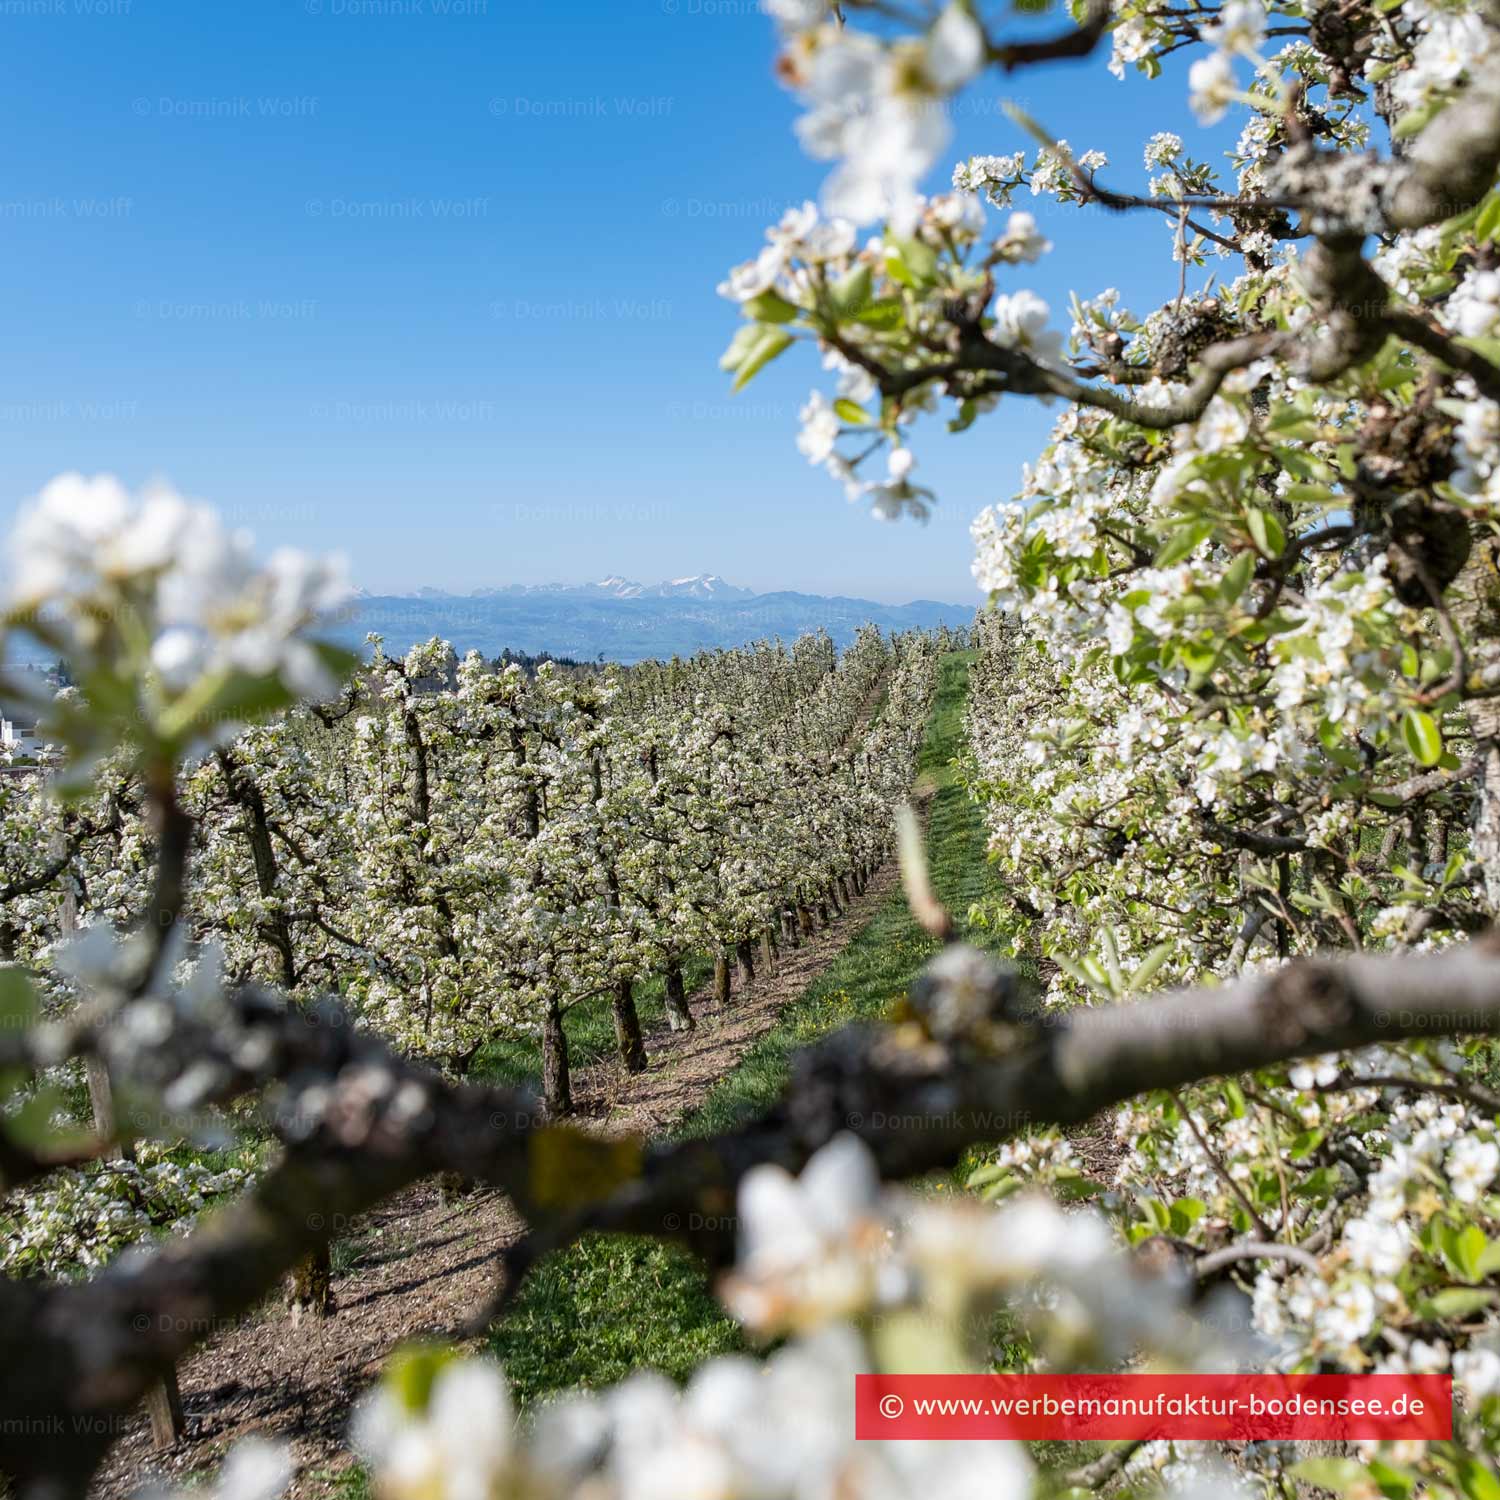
622 620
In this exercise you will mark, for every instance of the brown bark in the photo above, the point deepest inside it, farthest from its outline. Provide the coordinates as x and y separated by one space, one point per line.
744 954
679 1017
245 794
164 1407
628 1028
721 977
310 1286
557 1088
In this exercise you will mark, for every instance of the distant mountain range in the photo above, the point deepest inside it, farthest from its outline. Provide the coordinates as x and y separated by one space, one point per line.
699 586
622 620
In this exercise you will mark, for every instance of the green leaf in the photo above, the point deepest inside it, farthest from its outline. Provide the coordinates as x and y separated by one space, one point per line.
745 338
1422 736
914 264
1455 1302
32 1126
18 1006
771 307
1237 576
1149 966
1182 541
772 341
982 1176
1417 120
1466 1251
851 412
235 697
1266 532
1476 1481
1157 1212
850 294
1488 222
1488 347
412 1370
887 313
1185 1213
1112 959
1395 1484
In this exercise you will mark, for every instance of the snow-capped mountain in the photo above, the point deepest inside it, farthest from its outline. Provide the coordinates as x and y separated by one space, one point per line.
698 586
623 620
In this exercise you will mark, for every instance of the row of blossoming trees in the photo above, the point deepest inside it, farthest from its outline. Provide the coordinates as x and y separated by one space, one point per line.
463 854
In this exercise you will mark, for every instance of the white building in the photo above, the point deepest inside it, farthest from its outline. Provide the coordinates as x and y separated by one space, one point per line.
17 739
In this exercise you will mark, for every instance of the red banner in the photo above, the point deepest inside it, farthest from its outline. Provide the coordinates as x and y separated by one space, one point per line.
1243 1408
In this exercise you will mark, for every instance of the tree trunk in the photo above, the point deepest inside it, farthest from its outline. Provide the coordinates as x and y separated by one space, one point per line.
805 920
244 793
557 1090
679 1017
844 892
164 1407
310 1286
768 951
744 953
721 977
628 1028
454 1185
824 920
789 925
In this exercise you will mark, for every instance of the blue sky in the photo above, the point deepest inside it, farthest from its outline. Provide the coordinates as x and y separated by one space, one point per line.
432 281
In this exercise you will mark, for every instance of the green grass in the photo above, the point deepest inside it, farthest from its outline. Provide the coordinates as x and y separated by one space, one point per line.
517 1060
612 1304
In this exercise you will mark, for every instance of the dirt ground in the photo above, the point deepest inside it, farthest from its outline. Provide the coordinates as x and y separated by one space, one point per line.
418 1265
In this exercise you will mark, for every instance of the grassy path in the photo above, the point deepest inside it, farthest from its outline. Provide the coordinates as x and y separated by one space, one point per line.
612 1304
